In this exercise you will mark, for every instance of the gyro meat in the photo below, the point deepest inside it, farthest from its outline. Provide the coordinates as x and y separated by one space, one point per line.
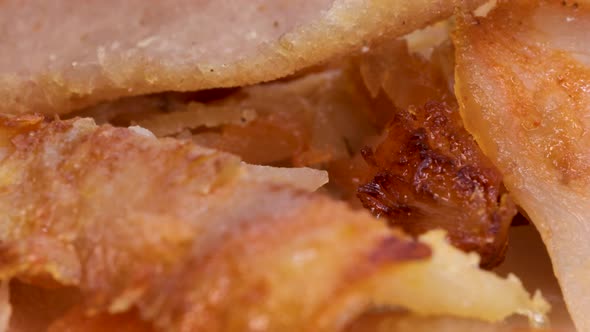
523 76
304 121
80 53
171 234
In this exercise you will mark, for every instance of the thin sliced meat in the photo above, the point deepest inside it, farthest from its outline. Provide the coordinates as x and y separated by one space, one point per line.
527 257
304 178
310 120
173 231
407 79
80 53
523 82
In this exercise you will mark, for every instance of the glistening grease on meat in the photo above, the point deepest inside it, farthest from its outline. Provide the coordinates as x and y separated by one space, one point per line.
177 234
523 83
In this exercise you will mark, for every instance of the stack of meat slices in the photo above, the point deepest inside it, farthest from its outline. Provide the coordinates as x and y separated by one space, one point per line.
164 167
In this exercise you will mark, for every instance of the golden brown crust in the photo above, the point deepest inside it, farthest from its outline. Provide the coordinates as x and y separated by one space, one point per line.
522 83
172 231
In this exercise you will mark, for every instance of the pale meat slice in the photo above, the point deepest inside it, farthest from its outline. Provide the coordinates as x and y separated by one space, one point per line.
173 232
523 82
61 55
426 171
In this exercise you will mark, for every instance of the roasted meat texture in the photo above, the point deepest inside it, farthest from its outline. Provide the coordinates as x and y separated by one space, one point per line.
324 118
167 235
76 320
392 77
527 257
426 171
429 173
34 308
321 118
523 76
78 54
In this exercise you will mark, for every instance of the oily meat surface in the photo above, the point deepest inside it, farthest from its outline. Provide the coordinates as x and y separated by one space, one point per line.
523 85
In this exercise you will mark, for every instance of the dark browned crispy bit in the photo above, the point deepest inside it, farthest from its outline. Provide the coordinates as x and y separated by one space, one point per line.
172 230
428 172
34 308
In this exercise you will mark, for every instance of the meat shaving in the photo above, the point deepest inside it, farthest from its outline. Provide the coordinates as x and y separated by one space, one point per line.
80 202
79 54
427 172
